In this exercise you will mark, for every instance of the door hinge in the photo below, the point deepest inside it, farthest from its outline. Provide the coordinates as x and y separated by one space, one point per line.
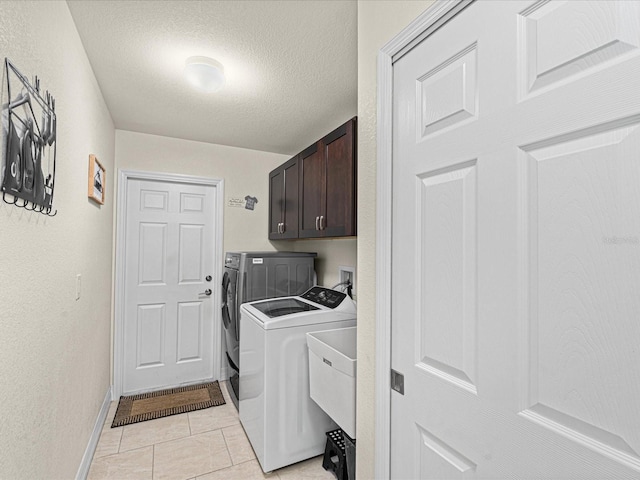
397 382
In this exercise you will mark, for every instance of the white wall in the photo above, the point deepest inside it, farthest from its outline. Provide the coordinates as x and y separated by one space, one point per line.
378 22
245 172
55 350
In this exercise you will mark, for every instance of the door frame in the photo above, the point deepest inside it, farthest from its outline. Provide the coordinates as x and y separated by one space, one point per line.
424 25
120 253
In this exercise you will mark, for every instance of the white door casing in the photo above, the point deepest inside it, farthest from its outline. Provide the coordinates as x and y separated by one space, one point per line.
516 242
169 240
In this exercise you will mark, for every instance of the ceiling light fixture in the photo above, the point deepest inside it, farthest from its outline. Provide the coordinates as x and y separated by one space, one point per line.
204 73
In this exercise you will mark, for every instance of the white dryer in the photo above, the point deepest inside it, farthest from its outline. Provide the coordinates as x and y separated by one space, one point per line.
283 424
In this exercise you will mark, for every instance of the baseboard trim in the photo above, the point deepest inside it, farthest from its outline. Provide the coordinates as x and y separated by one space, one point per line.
85 464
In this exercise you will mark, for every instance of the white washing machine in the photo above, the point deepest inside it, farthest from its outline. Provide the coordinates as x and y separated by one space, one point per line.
283 424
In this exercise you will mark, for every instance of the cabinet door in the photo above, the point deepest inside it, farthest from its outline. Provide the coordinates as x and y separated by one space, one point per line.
283 201
290 200
312 191
276 201
339 214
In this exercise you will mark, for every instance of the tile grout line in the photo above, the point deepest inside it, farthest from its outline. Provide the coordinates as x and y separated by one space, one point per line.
226 445
122 453
153 461
173 439
120 440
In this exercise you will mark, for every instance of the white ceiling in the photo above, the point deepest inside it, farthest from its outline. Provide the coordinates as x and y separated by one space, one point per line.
291 67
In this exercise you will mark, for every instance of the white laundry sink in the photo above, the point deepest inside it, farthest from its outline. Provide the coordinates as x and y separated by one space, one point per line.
332 375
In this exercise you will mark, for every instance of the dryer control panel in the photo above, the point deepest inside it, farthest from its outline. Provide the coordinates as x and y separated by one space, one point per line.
324 296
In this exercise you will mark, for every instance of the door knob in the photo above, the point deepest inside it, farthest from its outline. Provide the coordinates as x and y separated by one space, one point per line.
206 292
208 278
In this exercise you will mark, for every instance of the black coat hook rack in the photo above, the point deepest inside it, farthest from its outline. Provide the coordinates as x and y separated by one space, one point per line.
29 125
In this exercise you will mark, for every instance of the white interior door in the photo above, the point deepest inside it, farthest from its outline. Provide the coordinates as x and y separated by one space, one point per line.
516 244
170 284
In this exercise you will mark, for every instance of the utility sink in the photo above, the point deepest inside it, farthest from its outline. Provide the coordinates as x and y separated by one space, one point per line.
332 375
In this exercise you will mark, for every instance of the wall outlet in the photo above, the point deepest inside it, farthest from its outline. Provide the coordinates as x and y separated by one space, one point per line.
347 273
78 286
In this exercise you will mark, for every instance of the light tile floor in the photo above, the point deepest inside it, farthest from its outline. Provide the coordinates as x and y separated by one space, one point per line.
206 444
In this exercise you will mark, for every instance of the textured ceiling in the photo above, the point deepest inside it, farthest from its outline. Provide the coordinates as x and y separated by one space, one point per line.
291 67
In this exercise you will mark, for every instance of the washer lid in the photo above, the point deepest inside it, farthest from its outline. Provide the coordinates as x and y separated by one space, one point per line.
277 307
315 315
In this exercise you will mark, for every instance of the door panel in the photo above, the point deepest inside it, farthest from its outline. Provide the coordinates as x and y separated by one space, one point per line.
152 256
283 198
150 335
560 43
168 324
339 214
154 200
312 190
446 321
191 203
580 284
190 323
191 255
290 200
439 460
447 95
276 207
516 244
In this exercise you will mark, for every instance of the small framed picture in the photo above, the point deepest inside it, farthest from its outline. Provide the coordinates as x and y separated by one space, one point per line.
97 179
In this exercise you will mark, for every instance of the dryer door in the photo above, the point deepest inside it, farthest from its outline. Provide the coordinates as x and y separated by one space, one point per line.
229 316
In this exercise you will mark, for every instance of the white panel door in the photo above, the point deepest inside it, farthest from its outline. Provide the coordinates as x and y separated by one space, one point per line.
516 244
168 324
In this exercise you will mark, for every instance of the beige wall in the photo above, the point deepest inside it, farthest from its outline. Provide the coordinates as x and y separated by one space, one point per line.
54 372
378 22
331 254
245 172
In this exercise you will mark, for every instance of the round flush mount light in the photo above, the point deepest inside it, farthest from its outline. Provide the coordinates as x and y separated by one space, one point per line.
204 73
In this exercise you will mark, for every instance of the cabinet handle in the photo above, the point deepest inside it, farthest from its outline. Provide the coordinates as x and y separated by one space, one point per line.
282 225
321 222
317 220
280 228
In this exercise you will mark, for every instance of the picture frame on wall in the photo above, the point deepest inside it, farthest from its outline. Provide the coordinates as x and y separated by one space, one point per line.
97 180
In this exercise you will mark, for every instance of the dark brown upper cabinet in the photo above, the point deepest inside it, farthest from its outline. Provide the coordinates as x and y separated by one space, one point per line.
327 174
283 201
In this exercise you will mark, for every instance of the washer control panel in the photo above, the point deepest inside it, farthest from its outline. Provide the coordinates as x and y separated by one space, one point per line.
324 296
